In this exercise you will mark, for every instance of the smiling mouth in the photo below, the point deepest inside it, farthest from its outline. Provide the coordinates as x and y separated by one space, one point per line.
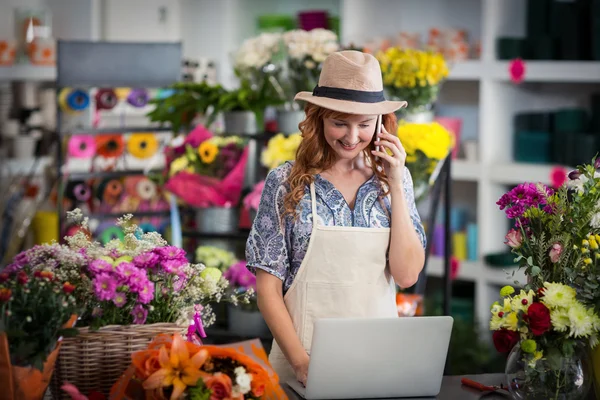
349 145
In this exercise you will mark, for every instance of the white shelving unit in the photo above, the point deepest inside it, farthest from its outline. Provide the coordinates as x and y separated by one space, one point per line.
482 85
26 72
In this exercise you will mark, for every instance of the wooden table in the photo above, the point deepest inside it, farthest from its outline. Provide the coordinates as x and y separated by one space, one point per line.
452 389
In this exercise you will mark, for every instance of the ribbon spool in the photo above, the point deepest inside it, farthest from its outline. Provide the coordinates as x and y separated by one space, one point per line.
138 98
142 145
111 233
110 146
146 227
122 93
81 146
130 183
82 192
109 191
73 100
106 99
146 189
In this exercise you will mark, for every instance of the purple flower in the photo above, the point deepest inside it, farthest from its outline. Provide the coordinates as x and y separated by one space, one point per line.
100 266
104 286
597 163
173 266
146 260
515 211
239 276
170 253
575 174
11 268
146 294
21 259
126 271
139 314
120 299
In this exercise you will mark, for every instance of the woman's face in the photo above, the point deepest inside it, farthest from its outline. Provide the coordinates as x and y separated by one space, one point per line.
349 135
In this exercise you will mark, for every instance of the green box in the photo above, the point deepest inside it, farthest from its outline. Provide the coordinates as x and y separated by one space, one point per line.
534 121
571 120
581 148
510 48
542 48
533 147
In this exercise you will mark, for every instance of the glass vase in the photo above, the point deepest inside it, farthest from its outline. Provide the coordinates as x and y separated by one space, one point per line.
550 378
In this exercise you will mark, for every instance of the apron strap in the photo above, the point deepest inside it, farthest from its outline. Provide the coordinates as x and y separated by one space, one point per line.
313 202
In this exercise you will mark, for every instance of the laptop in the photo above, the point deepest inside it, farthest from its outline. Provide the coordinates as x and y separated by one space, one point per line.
372 358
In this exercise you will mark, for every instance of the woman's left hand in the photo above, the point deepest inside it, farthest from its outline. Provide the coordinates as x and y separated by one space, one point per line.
393 164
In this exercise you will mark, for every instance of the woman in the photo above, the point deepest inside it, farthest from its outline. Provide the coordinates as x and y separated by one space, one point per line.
338 228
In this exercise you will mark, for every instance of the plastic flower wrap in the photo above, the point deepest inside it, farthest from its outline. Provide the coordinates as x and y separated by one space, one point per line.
412 75
306 51
426 144
175 369
206 170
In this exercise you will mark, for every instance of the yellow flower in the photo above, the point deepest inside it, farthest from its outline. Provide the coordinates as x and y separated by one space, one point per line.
558 295
431 139
536 357
178 165
529 346
142 145
559 319
511 321
593 243
587 261
280 149
522 297
177 368
506 291
208 151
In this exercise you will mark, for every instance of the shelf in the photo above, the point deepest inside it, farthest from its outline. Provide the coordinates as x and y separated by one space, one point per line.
515 173
468 270
27 72
116 130
469 70
24 166
75 176
463 170
476 271
550 71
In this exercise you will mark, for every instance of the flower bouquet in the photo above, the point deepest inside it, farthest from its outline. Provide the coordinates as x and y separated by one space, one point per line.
206 170
547 333
306 51
413 75
215 257
36 311
171 368
426 144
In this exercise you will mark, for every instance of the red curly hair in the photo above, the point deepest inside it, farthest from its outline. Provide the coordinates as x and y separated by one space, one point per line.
314 154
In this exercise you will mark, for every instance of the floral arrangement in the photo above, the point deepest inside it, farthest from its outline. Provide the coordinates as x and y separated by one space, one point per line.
556 239
549 327
280 148
206 170
413 75
215 257
172 368
306 51
242 282
36 309
426 144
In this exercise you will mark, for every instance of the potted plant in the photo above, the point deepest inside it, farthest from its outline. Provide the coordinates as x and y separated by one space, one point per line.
305 53
414 76
244 319
36 311
180 104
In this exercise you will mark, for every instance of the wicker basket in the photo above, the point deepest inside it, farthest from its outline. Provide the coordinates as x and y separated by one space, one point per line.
94 360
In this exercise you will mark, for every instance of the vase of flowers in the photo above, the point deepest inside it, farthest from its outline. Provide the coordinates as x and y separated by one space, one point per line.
426 144
556 238
36 311
129 290
245 320
236 371
414 76
550 332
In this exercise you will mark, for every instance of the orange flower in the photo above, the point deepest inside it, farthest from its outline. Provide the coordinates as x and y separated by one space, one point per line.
145 362
220 386
177 368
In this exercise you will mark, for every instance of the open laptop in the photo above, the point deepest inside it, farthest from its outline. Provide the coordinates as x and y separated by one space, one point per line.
366 358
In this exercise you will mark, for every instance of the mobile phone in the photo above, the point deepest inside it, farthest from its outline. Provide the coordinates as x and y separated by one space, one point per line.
377 131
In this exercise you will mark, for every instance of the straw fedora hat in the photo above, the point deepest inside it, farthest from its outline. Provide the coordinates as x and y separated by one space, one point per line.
351 82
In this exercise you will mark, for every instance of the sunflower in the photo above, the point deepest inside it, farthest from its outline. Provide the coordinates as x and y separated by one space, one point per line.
110 146
208 152
142 145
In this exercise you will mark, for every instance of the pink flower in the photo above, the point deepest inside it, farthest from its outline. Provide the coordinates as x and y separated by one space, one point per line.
170 253
99 266
239 276
146 294
514 238
139 280
252 199
104 286
146 260
139 314
120 299
555 252
126 270
73 391
173 266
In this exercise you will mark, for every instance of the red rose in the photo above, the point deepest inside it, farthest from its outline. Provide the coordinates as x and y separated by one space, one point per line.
538 317
220 386
505 340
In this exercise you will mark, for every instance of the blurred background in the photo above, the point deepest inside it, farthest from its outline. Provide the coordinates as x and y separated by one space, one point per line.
89 126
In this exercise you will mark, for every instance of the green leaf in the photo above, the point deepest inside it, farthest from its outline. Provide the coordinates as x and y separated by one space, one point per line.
554 358
535 270
530 260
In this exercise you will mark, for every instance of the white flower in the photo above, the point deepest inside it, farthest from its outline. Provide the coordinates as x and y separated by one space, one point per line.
560 319
581 321
595 222
242 380
558 295
577 184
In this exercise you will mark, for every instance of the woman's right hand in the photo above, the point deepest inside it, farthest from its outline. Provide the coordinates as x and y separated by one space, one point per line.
301 370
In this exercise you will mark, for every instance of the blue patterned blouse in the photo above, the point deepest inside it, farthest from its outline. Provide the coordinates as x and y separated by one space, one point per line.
280 250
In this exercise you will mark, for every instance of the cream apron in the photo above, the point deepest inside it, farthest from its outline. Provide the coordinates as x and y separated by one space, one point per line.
344 274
